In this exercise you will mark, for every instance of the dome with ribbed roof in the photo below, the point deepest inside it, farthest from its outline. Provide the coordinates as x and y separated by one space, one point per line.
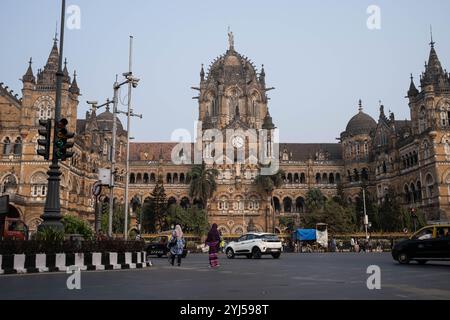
232 67
105 121
361 123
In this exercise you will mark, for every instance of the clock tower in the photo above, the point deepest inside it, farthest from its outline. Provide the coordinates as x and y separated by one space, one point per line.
233 109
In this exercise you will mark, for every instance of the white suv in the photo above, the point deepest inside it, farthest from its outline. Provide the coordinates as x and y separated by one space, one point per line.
254 245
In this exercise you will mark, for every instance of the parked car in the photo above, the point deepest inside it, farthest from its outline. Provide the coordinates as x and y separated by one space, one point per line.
158 247
254 245
429 243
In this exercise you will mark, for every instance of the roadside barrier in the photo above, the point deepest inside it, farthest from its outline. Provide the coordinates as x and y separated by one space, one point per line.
60 262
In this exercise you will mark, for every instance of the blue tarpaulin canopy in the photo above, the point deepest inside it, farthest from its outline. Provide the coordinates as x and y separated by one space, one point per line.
306 234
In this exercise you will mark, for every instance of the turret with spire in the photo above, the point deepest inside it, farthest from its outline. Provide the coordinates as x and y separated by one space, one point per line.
434 73
412 92
74 86
29 76
47 77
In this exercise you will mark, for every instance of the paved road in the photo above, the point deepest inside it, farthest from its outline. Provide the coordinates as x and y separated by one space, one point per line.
292 277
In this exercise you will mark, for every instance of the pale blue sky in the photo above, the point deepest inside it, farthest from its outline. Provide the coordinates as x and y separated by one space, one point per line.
319 55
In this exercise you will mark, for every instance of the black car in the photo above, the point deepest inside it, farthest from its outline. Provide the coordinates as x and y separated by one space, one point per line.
158 247
429 243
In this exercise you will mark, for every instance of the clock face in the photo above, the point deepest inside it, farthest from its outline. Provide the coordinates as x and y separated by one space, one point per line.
237 142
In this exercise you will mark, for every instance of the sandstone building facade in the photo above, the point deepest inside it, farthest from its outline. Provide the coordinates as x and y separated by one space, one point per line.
410 158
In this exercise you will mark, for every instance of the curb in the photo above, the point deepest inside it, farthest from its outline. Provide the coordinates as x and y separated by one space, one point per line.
60 262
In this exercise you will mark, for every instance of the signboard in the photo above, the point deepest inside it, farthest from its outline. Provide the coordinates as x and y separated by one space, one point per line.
4 204
104 175
97 189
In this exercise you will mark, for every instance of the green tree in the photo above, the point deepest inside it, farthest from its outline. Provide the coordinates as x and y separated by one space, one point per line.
338 217
118 220
371 210
390 213
267 184
76 225
192 220
314 200
203 184
156 208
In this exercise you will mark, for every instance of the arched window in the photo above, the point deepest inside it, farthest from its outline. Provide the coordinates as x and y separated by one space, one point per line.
445 113
325 178
146 179
412 187
152 178
175 177
366 148
132 178
423 125
44 110
18 146
430 187
289 177
185 203
6 146
169 178
139 178
419 191
318 178
223 203
302 178
238 204
287 204
171 201
38 184
338 178
300 205
365 174
182 179
9 184
276 204
296 179
331 178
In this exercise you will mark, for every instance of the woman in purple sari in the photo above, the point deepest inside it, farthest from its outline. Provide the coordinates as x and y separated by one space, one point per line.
213 241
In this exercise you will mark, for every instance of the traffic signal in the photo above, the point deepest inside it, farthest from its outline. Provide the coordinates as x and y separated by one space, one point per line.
45 132
63 143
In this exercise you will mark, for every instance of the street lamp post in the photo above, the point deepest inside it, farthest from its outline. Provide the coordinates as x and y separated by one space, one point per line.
52 210
132 83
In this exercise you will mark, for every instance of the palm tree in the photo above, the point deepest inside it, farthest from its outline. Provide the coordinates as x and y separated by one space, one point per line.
267 184
203 183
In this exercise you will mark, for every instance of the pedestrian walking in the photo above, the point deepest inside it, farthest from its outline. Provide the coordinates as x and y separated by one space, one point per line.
213 241
352 244
333 245
176 245
356 246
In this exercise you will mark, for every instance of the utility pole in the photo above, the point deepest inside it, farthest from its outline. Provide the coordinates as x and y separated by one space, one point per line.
52 210
132 83
116 88
366 218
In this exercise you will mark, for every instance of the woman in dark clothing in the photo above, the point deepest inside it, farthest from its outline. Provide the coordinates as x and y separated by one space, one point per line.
213 241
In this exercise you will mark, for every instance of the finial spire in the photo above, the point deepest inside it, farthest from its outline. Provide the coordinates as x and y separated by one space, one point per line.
431 34
230 39
202 73
360 107
55 39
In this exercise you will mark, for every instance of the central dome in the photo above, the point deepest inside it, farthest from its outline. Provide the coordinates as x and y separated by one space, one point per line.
361 123
232 66
105 121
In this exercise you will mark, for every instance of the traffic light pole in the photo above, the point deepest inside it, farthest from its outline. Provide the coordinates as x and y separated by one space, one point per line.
52 210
